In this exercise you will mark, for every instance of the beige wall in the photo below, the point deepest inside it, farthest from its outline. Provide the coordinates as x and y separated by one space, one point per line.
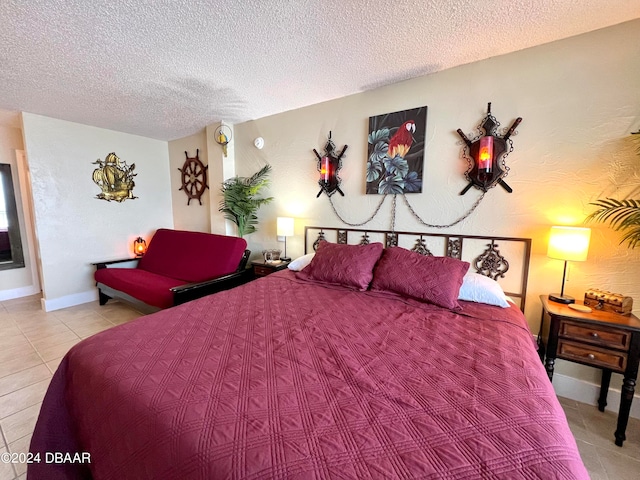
205 217
73 227
579 101
195 216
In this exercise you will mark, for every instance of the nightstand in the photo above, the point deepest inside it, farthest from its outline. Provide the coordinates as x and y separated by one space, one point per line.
262 268
598 339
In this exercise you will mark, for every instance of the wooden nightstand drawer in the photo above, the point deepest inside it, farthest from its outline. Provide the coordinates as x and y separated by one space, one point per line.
262 271
594 356
596 334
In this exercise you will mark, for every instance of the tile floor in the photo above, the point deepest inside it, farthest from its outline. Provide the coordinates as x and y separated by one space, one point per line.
33 342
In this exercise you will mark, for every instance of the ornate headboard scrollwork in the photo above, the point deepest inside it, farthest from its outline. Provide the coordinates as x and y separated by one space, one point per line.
491 264
421 248
320 239
454 248
485 258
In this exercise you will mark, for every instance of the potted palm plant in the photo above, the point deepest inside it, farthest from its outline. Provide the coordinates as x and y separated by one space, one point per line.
240 200
622 215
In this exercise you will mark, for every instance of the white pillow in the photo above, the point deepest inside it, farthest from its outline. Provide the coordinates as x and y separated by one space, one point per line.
481 289
301 262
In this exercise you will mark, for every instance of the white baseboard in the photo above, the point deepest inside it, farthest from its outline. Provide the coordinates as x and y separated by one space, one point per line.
587 392
69 300
19 292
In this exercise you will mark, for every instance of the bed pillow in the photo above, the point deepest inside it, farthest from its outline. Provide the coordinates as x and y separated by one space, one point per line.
481 289
301 262
346 265
435 280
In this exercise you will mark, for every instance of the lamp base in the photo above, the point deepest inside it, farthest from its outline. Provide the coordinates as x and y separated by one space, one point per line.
558 298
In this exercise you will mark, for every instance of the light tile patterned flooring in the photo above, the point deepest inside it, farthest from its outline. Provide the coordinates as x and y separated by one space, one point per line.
33 342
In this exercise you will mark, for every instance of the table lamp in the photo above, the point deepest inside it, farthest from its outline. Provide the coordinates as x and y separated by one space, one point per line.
568 244
284 228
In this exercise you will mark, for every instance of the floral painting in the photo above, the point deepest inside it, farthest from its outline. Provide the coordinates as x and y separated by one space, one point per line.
396 152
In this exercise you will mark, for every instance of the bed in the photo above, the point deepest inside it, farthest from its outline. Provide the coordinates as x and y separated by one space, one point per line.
299 375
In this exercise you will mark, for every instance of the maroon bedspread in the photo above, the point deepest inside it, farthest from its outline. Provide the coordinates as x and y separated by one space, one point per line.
285 379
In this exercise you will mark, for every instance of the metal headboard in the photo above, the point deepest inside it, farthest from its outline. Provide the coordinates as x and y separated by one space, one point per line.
486 254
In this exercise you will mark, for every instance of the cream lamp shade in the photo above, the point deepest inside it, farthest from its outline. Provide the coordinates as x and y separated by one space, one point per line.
568 244
284 228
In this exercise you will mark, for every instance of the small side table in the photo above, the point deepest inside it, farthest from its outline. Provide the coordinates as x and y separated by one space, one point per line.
598 339
262 268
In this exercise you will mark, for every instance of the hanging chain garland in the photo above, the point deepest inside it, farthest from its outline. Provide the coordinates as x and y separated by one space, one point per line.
393 213
361 223
455 222
411 209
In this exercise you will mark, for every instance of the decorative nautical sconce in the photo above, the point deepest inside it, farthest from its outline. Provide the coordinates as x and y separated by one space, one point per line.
329 166
486 155
139 246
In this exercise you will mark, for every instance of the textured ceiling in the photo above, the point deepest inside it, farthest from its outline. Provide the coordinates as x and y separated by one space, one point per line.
165 69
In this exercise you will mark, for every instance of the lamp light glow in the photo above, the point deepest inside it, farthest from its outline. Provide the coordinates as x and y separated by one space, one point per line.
139 246
284 228
325 169
485 154
568 244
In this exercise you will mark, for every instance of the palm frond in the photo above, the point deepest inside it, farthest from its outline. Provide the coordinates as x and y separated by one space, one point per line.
632 237
239 203
260 177
622 215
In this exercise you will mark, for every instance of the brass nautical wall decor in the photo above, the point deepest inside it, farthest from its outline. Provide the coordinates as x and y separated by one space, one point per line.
115 178
194 177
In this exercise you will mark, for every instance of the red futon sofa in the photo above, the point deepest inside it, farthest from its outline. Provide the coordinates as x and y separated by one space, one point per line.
178 266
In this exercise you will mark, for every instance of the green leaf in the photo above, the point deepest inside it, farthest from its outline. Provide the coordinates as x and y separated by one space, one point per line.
622 215
239 203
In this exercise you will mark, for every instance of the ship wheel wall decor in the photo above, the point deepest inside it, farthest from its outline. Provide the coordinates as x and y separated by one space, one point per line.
194 177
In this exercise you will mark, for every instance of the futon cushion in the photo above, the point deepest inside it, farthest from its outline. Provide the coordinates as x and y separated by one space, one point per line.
192 256
148 287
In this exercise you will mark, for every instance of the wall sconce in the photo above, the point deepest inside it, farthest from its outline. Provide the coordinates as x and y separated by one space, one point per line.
568 244
329 166
486 155
284 228
139 246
